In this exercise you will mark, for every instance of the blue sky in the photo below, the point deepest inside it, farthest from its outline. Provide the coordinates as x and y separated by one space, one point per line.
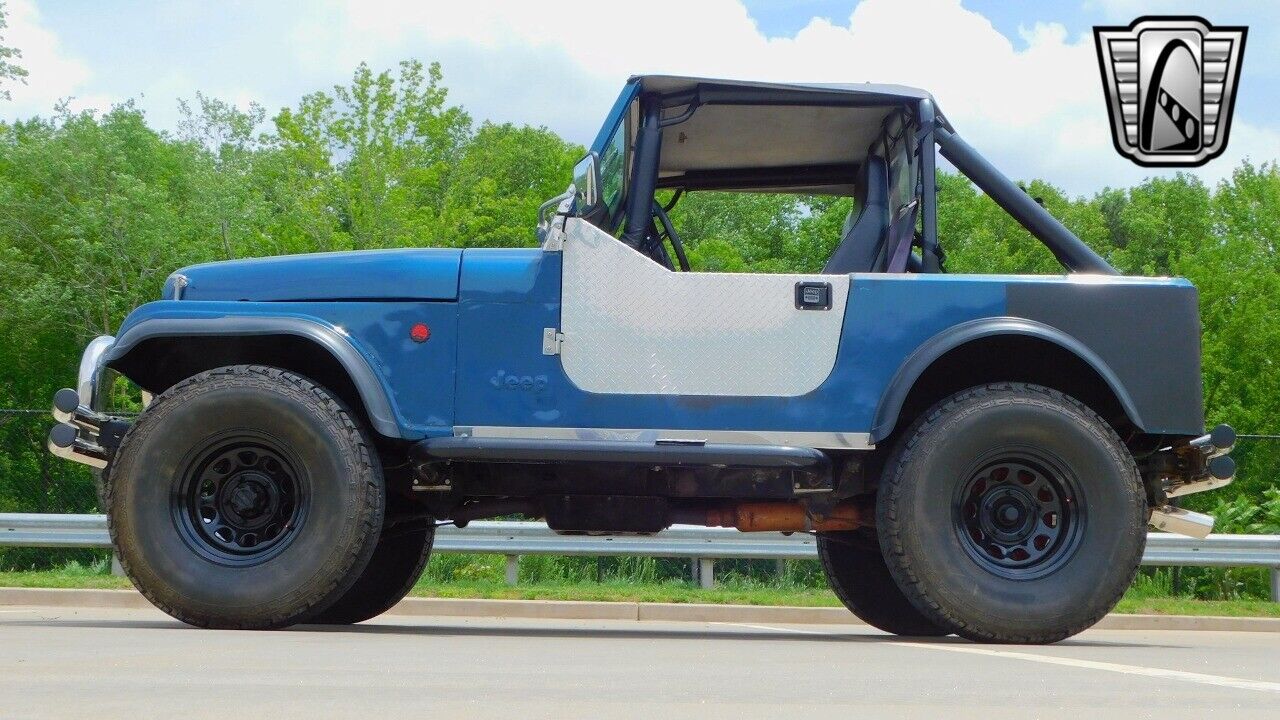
1262 78
1019 79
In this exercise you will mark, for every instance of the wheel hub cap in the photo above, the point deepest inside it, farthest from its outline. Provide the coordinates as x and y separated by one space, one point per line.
249 499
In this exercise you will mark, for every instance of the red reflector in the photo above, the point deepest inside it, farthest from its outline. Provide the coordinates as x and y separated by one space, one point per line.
419 332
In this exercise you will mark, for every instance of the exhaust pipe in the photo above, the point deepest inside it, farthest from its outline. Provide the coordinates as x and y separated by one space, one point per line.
775 517
1183 522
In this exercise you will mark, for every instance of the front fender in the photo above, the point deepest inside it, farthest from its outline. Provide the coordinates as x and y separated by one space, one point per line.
935 347
150 322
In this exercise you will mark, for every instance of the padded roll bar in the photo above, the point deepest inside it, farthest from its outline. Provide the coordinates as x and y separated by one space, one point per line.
644 178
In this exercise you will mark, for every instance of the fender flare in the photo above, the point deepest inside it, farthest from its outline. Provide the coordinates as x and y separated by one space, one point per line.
922 357
373 394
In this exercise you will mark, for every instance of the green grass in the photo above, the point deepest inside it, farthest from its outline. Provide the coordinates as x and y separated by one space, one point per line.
624 591
1191 606
480 577
95 575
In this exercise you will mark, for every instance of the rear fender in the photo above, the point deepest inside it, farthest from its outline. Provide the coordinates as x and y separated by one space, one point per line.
921 358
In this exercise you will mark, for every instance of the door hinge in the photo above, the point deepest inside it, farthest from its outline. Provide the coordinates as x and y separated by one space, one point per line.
551 341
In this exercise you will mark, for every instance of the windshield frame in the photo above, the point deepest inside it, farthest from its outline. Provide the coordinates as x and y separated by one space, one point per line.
616 134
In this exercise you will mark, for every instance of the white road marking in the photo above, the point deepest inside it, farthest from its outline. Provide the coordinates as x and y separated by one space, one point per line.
770 627
1182 675
1201 678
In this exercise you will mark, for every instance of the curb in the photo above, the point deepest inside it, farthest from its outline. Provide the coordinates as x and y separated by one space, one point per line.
51 597
667 612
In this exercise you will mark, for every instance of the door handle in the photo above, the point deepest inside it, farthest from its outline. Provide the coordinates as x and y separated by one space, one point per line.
813 295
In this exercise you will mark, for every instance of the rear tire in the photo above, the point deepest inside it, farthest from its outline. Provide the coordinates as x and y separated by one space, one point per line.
1012 513
857 574
391 573
245 497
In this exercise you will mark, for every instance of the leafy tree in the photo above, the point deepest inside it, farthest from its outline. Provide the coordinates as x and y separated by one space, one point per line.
10 70
231 152
500 178
367 165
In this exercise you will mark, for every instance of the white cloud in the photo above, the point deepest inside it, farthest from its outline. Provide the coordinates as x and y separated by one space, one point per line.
1033 104
1036 110
53 75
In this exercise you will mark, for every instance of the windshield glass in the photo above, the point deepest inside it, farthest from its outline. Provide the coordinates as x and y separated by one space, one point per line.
613 171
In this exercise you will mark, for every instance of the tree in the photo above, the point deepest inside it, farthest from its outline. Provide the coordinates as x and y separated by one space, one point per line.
10 70
367 165
502 175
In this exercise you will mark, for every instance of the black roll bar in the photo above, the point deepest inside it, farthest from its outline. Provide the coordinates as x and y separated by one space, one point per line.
644 176
929 195
1065 246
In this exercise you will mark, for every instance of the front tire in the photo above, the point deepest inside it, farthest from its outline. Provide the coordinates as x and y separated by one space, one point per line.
1012 513
245 497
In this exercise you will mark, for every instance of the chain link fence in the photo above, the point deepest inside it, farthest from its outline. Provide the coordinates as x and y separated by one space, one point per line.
32 480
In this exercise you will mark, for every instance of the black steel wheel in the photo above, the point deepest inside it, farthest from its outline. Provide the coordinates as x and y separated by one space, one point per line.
241 499
245 497
1019 516
1011 513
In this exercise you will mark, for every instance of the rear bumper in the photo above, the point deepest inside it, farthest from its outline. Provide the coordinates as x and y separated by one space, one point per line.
1201 464
83 433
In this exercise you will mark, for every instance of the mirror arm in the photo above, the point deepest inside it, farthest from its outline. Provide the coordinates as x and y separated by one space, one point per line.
554 202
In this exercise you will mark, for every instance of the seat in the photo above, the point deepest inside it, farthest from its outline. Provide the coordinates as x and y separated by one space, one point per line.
863 234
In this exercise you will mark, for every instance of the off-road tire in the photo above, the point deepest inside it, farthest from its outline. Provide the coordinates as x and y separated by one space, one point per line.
923 506
336 498
391 573
856 571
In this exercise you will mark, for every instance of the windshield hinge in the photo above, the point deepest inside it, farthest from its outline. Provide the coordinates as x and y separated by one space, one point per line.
551 341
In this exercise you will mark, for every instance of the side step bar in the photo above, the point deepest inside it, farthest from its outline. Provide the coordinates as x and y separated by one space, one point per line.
671 453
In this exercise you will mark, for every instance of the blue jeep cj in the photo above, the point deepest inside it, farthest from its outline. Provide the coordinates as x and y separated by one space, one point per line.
977 455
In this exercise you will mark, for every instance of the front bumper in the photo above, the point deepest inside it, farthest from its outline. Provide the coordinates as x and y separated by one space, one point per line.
83 433
1197 466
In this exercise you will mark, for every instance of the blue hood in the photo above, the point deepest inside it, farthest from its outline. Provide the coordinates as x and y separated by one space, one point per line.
401 274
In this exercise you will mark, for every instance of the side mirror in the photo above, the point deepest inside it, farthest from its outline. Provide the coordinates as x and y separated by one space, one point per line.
586 185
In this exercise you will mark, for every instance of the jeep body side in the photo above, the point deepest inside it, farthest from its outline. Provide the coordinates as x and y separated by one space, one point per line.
934 429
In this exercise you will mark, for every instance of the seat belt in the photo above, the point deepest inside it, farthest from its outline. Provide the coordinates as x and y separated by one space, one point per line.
901 236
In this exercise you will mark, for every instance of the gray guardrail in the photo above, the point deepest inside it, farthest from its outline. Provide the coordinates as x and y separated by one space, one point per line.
513 539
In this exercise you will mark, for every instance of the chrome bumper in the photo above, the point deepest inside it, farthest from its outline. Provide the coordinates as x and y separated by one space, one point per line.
80 422
1200 465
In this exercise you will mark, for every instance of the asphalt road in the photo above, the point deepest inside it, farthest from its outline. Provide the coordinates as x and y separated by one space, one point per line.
96 663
